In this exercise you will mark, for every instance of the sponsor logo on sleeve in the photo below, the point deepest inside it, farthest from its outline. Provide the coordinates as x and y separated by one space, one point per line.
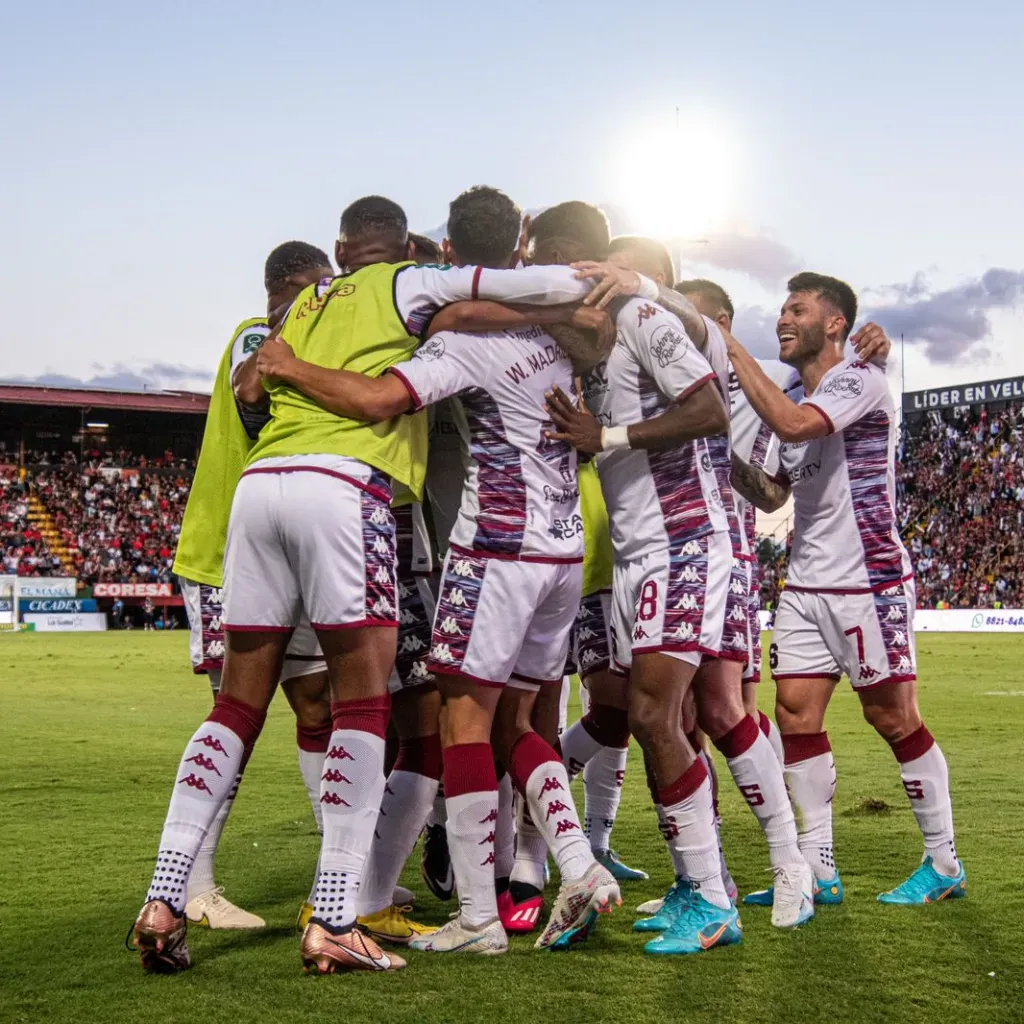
667 345
251 342
845 385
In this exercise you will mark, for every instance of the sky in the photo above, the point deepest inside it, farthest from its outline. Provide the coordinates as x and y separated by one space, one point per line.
154 154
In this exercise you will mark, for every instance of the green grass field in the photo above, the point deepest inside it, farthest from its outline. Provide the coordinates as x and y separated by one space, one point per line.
91 729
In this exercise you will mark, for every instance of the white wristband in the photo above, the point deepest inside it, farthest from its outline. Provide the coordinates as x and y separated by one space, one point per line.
648 289
614 439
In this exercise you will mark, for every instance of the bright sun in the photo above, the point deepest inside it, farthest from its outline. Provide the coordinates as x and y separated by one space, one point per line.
678 183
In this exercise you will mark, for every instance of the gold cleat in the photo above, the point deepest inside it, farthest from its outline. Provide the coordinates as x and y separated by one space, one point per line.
305 913
391 925
160 938
324 953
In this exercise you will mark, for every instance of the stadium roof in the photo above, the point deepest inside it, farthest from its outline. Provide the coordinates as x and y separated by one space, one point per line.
101 398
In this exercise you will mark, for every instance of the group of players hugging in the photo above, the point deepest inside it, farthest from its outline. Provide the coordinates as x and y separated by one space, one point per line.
583 442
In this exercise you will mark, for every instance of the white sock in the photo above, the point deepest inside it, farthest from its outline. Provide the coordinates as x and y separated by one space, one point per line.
531 849
439 811
201 880
758 775
578 747
554 813
563 704
771 730
350 795
926 780
687 824
811 778
311 765
205 779
505 829
709 764
408 798
602 792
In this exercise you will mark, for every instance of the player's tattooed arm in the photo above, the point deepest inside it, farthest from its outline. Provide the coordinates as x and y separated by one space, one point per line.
612 281
792 422
761 490
353 395
701 414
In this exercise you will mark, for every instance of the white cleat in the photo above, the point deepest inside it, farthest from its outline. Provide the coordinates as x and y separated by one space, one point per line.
651 907
793 904
577 907
212 910
403 897
457 937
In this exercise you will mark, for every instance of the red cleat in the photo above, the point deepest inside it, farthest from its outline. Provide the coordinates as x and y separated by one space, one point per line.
520 914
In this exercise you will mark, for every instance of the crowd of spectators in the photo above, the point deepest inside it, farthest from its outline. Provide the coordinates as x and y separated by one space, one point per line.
118 515
960 507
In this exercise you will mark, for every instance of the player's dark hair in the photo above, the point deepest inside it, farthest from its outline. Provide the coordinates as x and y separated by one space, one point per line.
483 226
649 250
582 225
714 293
372 216
425 250
291 258
836 293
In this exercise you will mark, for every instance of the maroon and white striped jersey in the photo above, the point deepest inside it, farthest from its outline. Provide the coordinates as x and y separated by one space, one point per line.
845 538
657 500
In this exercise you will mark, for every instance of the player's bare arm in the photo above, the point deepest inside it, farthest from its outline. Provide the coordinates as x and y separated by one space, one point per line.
248 385
762 491
790 421
342 392
702 413
613 281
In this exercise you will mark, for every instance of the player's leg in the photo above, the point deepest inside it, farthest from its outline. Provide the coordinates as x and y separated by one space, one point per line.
752 665
882 667
805 675
260 609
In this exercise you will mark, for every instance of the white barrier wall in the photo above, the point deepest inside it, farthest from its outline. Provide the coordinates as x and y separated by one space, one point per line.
970 620
75 622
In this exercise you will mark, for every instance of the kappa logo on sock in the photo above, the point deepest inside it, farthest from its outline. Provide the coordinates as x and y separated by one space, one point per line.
333 798
565 826
193 781
203 762
339 754
555 807
550 785
493 816
489 838
489 859
213 743
333 775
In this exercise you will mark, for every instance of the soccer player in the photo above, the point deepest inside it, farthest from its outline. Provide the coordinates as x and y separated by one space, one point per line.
848 604
510 587
720 653
311 532
198 563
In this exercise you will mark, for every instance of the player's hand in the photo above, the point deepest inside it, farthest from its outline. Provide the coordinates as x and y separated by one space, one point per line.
574 425
611 282
871 344
275 358
589 318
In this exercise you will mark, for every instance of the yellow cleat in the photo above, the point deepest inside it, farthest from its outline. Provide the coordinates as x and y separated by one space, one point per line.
305 913
391 925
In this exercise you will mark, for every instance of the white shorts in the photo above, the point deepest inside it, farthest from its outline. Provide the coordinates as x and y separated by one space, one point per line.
868 636
501 621
313 540
203 606
673 602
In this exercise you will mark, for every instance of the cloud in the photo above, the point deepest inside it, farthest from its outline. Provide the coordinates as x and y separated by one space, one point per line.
153 377
950 324
766 261
754 327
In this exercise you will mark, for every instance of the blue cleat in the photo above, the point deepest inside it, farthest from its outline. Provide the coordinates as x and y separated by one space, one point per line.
697 926
926 885
619 871
826 894
674 901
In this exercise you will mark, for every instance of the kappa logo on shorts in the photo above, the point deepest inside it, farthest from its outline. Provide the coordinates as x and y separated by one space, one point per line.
406 617
899 638
419 670
687 603
691 547
905 665
379 517
688 574
456 597
382 607
441 652
410 645
738 614
588 657
463 568
381 546
736 587
684 631
450 626
639 633
867 672
215 650
895 614
382 575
